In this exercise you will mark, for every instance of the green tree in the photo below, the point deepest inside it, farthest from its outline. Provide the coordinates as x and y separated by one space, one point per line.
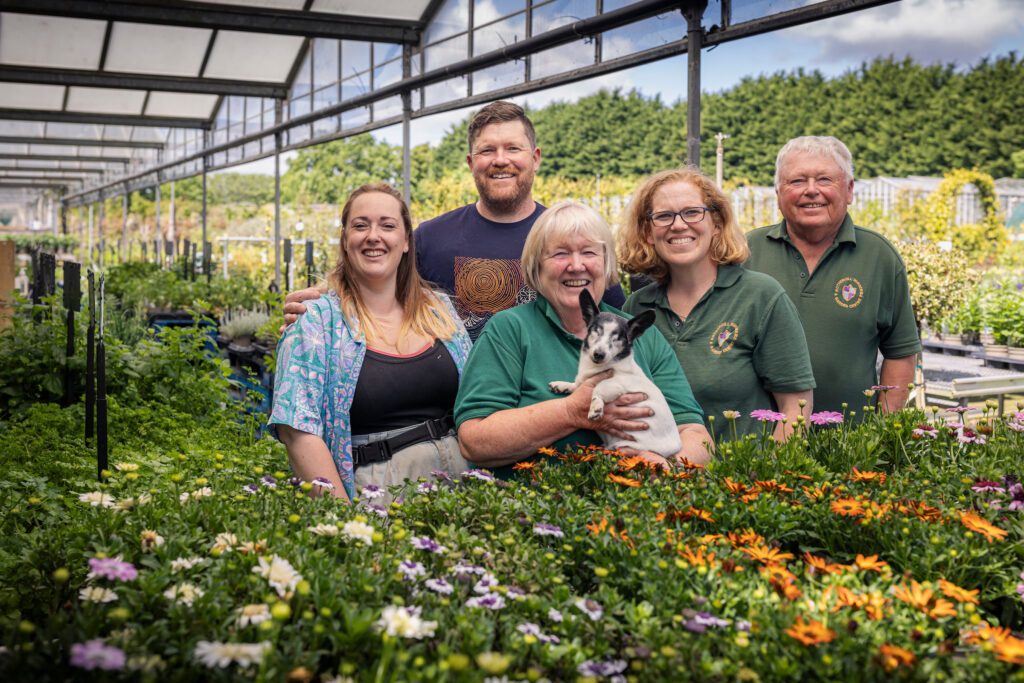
327 173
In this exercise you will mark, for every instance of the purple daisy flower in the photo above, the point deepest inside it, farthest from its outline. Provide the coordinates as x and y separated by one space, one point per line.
439 586
428 544
410 570
320 481
251 489
268 481
482 475
826 417
491 601
986 485
548 530
112 568
765 415
94 654
370 492
441 474
592 609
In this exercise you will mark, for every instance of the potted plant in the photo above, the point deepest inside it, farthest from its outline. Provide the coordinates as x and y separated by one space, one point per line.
241 328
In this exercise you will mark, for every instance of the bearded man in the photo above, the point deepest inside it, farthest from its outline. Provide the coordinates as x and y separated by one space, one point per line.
473 252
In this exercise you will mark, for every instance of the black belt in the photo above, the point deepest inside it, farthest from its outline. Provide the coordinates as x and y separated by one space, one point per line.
379 451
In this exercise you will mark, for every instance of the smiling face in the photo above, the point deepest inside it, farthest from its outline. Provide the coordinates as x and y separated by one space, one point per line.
503 163
375 237
682 245
813 194
569 265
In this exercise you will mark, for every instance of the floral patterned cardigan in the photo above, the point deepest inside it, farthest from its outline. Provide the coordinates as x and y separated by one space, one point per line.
318 362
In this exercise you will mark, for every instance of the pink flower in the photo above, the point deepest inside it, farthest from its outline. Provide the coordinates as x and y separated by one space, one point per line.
884 387
766 415
826 417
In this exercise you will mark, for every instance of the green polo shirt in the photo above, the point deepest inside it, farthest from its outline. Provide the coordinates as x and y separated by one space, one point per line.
523 348
855 304
741 342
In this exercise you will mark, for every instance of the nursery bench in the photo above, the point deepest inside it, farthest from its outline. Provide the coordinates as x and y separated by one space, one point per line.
962 388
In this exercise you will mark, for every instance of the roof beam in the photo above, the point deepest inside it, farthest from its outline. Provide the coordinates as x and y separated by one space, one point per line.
113 79
108 119
67 157
73 179
16 140
824 9
228 18
90 170
22 183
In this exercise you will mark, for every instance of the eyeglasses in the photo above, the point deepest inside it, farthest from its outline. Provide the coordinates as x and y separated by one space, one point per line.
691 214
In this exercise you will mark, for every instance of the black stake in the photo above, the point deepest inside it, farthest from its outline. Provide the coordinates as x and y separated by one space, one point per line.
72 300
90 354
287 258
101 395
309 263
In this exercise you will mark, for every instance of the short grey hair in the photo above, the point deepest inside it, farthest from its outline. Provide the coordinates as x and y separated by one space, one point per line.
568 218
817 145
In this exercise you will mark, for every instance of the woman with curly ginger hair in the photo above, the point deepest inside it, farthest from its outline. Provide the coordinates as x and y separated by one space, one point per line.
735 332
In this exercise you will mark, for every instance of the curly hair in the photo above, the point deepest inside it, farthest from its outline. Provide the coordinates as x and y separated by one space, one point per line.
637 255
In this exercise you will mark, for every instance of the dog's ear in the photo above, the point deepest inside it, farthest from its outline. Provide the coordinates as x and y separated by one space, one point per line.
639 324
588 306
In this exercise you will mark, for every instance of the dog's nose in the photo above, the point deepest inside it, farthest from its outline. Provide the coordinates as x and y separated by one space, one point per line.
598 356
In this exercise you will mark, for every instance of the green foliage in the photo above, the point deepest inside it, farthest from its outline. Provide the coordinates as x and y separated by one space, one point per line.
327 173
1017 158
940 282
26 243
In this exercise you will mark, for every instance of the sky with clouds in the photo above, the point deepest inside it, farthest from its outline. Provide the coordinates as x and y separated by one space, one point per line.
961 32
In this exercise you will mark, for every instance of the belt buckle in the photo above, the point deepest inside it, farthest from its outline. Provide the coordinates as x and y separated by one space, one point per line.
432 429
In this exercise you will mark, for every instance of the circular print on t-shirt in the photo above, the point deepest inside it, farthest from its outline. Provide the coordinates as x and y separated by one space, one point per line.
724 337
849 292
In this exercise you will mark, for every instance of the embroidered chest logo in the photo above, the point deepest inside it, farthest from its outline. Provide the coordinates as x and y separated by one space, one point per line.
724 338
849 292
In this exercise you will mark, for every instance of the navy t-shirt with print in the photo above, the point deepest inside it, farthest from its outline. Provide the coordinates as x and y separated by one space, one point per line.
476 261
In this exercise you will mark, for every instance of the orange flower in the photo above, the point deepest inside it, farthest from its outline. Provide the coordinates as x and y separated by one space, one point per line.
813 494
750 497
847 507
870 563
770 486
625 481
942 608
996 634
894 657
923 512
982 526
697 513
800 476
811 633
698 558
867 476
1010 650
847 598
631 463
550 452
733 487
766 555
686 464
597 528
525 465
745 537
951 590
820 564
916 595
777 573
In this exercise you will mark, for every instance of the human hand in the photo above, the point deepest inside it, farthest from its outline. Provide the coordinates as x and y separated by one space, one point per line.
619 416
293 306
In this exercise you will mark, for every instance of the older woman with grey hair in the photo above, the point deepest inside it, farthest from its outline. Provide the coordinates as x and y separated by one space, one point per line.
505 410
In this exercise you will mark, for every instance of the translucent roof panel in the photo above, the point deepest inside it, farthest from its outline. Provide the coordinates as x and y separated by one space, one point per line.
151 49
149 134
252 56
180 104
293 5
410 10
28 129
76 131
55 150
57 42
106 100
32 96
10 148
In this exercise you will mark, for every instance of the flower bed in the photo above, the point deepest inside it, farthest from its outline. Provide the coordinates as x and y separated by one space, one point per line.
891 548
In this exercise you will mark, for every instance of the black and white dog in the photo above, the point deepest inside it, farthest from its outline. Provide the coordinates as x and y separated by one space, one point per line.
609 346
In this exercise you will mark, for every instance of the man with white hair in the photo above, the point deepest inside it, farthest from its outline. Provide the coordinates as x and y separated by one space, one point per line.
848 283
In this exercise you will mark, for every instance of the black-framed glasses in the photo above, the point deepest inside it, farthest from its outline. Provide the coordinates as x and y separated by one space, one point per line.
691 214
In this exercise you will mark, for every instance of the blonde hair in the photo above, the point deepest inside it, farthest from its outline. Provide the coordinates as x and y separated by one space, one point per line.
637 255
560 220
423 312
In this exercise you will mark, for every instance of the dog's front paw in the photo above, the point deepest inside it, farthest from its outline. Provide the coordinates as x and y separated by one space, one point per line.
562 387
596 408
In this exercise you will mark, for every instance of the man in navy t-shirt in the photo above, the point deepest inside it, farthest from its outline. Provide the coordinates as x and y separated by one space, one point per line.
473 252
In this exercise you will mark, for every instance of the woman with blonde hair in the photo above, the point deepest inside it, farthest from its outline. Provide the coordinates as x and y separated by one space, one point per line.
367 379
506 409
735 332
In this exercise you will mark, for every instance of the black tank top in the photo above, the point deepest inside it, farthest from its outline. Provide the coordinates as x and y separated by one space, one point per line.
398 391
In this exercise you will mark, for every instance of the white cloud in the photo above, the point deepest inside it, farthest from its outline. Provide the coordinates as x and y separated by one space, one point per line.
928 30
